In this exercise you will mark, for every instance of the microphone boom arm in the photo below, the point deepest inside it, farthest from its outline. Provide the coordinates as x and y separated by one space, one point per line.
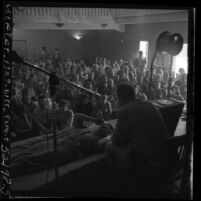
18 59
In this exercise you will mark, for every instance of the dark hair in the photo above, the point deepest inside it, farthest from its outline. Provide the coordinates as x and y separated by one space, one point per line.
125 91
41 97
62 103
33 99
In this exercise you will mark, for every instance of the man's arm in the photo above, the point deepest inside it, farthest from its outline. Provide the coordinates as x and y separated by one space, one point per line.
122 130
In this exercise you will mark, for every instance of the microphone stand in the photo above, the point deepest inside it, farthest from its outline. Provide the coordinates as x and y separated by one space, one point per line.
55 148
169 81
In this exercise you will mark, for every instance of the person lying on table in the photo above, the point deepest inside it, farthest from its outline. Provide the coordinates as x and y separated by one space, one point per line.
79 119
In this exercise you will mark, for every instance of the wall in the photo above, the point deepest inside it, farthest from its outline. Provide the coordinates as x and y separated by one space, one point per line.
118 45
68 46
111 44
150 32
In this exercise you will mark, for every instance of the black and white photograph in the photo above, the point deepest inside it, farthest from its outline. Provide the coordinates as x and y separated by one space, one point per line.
98 101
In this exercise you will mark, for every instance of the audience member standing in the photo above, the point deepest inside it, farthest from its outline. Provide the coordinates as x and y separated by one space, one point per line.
56 58
140 63
43 56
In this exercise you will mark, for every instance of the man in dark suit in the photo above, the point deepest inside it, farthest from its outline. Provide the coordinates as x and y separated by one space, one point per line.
140 129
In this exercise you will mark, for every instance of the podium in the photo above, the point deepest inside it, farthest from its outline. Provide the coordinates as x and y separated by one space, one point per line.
171 111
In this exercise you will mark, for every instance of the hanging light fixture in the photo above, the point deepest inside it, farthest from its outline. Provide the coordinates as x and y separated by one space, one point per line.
77 36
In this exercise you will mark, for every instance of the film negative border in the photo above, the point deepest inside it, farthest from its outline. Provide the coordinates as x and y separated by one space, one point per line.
6 100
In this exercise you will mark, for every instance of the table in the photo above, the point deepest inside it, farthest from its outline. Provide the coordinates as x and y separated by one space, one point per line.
171 111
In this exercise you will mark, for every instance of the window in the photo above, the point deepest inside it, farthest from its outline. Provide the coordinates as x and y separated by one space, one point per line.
144 46
181 60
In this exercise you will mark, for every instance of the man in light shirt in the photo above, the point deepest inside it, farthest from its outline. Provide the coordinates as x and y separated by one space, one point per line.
140 64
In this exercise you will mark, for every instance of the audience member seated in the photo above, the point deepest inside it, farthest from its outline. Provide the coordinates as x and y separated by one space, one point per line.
182 77
110 87
139 93
102 85
41 116
132 78
20 124
103 108
183 90
144 89
16 98
85 105
125 75
156 91
174 91
63 116
109 72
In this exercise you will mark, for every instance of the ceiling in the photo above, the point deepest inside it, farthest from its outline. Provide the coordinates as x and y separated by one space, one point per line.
51 18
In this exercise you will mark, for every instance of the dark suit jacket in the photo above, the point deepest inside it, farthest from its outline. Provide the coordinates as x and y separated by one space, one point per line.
140 124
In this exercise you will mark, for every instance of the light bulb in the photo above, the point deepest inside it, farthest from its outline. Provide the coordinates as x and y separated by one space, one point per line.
77 36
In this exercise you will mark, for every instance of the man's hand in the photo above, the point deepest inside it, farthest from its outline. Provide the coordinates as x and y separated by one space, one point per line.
102 142
100 121
107 129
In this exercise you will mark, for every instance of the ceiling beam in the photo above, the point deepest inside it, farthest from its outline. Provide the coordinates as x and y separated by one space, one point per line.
165 17
63 26
62 19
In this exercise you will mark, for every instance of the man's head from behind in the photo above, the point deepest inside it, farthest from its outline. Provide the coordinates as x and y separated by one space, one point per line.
41 101
125 94
44 49
181 70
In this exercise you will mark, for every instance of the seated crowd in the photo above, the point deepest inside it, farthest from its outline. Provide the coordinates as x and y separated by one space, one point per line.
32 105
